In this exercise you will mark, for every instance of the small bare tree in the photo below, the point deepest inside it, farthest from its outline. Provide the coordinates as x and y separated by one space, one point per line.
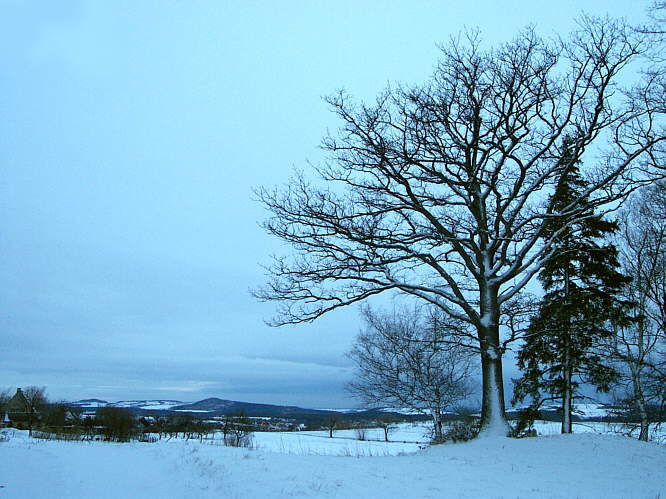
5 396
387 423
34 402
639 350
331 424
408 359
237 430
361 433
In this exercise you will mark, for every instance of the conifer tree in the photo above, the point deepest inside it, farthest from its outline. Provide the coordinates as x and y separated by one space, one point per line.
581 301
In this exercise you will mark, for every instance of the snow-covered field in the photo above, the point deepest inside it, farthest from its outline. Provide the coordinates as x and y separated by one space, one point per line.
308 464
344 443
545 428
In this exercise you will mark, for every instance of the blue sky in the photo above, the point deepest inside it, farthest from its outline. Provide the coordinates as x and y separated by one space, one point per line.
131 136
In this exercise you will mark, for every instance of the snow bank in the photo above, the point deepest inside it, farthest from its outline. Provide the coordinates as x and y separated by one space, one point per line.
583 465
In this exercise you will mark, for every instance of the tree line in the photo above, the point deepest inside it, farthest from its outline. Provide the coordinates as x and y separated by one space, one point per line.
29 409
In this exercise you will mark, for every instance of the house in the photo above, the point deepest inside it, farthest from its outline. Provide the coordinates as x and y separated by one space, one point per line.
17 406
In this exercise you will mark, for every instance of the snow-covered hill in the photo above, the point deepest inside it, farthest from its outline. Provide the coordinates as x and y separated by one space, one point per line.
590 410
148 405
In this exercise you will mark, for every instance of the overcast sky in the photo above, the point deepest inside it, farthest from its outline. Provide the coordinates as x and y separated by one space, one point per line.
131 136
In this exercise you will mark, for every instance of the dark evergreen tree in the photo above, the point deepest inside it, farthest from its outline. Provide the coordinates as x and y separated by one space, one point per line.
581 302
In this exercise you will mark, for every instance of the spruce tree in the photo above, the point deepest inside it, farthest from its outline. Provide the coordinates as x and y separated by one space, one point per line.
581 301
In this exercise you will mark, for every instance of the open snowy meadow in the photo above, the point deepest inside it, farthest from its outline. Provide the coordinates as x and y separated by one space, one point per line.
309 464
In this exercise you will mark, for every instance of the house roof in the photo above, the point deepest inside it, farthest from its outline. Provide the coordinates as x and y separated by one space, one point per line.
17 403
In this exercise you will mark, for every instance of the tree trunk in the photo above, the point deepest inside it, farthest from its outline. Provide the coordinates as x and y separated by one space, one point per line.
639 399
567 426
437 426
567 395
493 416
645 423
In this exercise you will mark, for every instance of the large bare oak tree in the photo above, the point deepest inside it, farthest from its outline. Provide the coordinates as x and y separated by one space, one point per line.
439 191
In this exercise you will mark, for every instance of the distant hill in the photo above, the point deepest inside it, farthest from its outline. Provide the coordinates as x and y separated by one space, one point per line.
216 406
581 412
89 403
147 405
220 407
211 407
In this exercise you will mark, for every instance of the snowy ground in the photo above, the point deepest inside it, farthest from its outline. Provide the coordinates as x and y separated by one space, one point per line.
657 432
303 465
406 438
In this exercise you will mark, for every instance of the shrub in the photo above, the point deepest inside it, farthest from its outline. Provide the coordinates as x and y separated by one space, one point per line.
361 434
117 423
4 436
68 437
525 424
237 431
148 438
239 440
461 431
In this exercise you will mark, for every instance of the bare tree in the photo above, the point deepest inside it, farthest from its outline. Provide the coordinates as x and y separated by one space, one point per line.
639 349
237 430
657 20
654 93
439 191
387 423
405 360
331 424
34 401
5 397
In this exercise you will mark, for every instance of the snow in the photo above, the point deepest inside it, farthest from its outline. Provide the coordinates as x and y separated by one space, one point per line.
344 443
405 411
160 406
486 320
590 410
657 431
496 426
85 405
578 465
583 410
344 411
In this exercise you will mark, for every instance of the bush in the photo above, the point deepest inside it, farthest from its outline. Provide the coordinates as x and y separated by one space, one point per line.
461 431
237 431
4 436
148 438
67 437
361 434
239 440
525 424
117 423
